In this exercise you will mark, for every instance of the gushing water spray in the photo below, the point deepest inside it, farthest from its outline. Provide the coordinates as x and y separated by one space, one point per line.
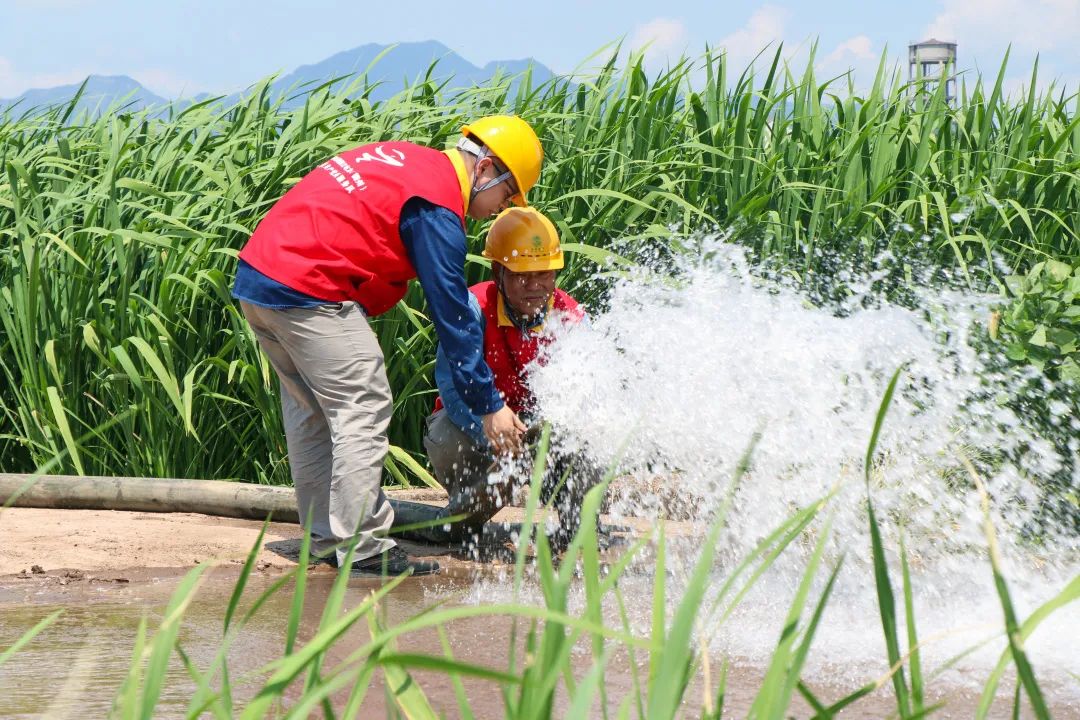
671 381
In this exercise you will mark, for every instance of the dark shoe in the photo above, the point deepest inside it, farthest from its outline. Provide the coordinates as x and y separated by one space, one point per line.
394 562
410 514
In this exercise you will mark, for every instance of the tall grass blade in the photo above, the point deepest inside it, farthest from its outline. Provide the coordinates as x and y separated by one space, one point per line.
1012 627
886 599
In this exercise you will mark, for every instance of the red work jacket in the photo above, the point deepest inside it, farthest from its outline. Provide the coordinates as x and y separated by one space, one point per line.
334 235
507 350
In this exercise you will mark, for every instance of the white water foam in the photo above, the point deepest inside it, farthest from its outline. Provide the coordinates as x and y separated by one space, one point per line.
674 378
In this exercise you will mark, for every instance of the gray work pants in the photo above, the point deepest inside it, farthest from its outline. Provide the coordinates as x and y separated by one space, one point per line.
463 468
336 406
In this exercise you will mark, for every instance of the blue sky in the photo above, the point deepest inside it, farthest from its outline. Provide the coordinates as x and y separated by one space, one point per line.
190 46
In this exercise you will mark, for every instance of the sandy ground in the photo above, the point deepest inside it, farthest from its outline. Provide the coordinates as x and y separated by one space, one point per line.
51 542
37 541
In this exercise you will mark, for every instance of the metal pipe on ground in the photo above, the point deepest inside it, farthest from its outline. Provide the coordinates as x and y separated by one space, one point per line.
208 497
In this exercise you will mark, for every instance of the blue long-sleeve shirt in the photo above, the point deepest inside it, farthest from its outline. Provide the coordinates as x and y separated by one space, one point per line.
436 245
456 408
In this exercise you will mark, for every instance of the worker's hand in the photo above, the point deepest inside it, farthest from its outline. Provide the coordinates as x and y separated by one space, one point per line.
503 429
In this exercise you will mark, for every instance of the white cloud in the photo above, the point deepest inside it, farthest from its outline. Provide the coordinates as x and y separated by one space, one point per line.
858 48
856 55
1027 24
763 30
662 39
983 29
13 82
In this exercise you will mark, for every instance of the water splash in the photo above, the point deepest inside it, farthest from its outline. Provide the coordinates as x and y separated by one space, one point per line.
673 379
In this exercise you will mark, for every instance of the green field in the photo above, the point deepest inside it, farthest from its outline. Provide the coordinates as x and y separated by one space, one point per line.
122 352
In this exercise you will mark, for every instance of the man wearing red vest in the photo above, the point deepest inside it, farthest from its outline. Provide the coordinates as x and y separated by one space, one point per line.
519 308
340 246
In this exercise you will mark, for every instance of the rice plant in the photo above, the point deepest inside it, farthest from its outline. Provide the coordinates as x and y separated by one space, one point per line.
118 233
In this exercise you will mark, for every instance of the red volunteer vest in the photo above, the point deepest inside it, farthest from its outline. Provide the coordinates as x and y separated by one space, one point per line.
334 235
507 351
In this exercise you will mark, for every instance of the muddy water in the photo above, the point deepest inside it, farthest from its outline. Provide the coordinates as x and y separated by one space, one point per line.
76 667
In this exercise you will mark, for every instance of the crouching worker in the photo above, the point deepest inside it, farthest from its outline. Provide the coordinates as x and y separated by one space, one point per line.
517 308
341 247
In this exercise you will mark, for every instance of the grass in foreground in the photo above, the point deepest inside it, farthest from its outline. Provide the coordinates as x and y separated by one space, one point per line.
304 681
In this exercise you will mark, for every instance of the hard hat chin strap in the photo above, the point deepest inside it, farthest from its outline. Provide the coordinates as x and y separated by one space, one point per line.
466 145
523 324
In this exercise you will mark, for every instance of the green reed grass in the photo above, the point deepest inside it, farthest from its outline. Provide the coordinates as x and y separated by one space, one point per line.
305 680
119 233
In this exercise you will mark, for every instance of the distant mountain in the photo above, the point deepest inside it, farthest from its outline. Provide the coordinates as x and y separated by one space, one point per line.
101 91
400 65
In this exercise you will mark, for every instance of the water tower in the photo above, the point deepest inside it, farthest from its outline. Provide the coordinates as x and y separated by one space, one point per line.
934 61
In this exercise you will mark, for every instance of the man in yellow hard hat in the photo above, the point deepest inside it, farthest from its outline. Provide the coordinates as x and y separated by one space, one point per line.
341 246
518 308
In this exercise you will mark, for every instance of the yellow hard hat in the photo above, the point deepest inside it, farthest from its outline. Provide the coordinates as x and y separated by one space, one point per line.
522 240
513 141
